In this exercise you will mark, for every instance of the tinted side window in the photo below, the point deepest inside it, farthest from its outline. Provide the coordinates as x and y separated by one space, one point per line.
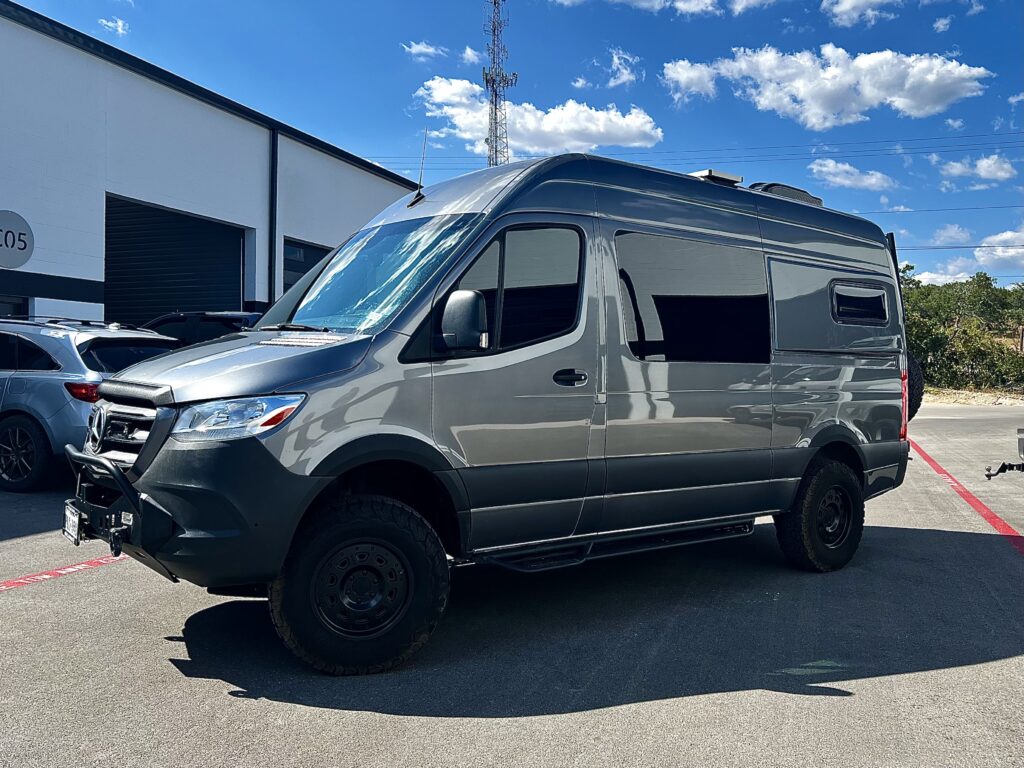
8 361
541 286
530 279
685 300
178 329
859 304
213 328
483 277
112 355
32 358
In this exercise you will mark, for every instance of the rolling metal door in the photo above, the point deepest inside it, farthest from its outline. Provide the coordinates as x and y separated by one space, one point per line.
159 261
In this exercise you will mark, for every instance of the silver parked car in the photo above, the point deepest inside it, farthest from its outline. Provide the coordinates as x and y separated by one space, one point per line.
529 366
50 370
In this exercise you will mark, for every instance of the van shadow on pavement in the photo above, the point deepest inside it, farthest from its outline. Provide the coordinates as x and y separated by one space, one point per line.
722 617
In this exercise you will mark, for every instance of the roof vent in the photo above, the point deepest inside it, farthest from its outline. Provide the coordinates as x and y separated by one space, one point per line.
718 177
784 190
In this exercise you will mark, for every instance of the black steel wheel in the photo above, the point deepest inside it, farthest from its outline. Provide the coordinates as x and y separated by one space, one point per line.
835 517
823 529
25 457
363 587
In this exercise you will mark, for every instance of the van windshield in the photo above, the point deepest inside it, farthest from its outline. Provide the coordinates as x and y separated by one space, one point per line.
375 274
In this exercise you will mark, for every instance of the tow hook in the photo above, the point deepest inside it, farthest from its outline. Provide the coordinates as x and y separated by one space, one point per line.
116 539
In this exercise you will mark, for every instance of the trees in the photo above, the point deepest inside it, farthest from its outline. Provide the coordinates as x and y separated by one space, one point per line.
965 334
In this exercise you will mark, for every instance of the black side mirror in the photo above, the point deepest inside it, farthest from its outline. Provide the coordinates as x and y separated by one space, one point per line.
464 322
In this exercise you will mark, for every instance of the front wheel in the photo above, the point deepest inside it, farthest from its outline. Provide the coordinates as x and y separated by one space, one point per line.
823 529
363 587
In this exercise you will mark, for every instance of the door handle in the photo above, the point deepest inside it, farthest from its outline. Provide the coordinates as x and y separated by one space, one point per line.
570 377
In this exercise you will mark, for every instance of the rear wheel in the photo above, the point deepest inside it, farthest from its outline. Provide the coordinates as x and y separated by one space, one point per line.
363 587
25 456
915 386
823 529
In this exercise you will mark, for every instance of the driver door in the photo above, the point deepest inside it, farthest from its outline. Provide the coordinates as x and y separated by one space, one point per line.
515 419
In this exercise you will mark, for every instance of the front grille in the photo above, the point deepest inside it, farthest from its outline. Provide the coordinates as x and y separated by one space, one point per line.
126 430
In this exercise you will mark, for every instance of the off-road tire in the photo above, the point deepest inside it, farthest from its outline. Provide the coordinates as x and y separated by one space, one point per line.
915 386
804 540
19 429
298 598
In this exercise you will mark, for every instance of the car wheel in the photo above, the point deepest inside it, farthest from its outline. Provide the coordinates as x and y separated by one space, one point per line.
823 529
363 587
915 386
25 455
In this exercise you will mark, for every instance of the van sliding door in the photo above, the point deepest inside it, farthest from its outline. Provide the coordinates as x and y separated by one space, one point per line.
689 409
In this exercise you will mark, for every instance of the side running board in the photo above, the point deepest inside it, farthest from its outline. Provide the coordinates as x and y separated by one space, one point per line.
560 555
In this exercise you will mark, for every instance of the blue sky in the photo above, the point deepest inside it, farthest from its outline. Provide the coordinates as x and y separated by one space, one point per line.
875 105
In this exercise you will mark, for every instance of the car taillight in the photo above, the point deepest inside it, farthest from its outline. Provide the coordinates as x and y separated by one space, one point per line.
88 393
904 405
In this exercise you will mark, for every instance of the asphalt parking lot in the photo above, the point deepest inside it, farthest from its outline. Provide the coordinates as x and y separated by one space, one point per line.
710 655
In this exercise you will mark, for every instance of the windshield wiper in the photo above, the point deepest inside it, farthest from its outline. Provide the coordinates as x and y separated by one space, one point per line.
293 327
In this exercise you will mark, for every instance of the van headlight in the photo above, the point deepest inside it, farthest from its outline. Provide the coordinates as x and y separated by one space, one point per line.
232 419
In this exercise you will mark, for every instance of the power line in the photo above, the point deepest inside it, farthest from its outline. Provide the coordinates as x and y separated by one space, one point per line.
955 247
936 210
445 164
959 137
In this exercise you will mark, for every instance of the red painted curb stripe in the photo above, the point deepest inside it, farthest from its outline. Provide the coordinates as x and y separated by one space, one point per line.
56 573
990 517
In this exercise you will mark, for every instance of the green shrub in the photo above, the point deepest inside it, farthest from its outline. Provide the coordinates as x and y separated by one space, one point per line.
965 334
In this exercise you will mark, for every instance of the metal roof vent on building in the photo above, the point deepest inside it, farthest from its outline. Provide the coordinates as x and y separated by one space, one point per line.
718 177
785 190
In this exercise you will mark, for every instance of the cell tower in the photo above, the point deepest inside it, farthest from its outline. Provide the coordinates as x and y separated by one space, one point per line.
496 80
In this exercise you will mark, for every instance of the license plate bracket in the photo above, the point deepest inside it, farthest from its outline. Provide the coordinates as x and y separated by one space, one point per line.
72 529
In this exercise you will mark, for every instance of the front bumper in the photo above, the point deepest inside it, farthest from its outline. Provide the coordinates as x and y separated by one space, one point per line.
214 514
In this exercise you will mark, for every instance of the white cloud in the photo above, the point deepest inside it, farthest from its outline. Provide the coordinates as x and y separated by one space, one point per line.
822 91
1004 249
992 167
114 24
940 278
471 56
975 8
567 127
836 174
951 234
424 51
685 79
846 13
942 23
948 186
580 83
1003 253
685 7
1016 99
955 123
623 70
739 6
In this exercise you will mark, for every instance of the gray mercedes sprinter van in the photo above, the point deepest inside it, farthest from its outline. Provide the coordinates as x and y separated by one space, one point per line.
529 366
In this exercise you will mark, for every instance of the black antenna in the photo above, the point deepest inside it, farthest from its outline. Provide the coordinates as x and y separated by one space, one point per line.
419 184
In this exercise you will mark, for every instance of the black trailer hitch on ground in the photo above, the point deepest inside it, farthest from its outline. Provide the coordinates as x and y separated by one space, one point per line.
1007 466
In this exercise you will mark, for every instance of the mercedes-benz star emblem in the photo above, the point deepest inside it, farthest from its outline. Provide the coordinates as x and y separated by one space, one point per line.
97 425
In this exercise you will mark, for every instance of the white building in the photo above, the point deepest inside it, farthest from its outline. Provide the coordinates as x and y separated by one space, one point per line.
134 192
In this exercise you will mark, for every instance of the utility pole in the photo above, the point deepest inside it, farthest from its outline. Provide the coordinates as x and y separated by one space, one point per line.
496 80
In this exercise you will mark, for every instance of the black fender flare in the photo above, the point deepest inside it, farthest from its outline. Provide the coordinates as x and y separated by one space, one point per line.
371 448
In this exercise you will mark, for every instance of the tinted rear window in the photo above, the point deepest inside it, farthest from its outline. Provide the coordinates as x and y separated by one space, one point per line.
112 355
